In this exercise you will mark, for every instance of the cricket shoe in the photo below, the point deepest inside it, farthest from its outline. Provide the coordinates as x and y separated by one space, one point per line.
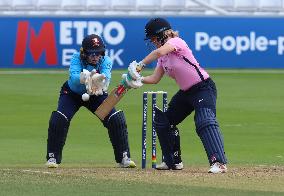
163 166
51 163
126 162
218 168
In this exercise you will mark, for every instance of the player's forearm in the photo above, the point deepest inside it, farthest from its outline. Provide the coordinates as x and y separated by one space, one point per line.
152 79
154 55
75 77
155 77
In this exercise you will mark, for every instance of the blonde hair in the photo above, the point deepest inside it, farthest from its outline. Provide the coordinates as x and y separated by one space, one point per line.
171 33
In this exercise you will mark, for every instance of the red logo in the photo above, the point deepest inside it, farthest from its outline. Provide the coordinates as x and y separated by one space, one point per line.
37 44
213 159
96 42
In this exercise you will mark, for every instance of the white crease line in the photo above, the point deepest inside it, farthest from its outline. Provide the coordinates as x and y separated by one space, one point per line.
6 169
36 171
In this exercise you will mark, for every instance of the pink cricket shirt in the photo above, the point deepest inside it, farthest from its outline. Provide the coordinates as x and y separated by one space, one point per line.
177 68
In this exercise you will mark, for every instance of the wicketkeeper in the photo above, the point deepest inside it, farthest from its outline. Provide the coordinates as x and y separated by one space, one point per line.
197 93
89 77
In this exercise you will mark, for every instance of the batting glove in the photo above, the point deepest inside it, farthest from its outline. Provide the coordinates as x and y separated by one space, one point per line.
132 83
134 69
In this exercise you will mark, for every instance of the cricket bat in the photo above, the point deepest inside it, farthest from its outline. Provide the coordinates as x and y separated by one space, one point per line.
113 98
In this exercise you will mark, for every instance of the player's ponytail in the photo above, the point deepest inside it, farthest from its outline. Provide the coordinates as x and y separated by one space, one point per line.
83 57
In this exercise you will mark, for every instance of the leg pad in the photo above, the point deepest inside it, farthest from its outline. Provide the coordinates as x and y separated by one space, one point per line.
208 130
165 136
176 147
57 133
117 130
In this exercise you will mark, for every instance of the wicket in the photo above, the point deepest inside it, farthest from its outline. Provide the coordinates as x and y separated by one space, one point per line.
144 124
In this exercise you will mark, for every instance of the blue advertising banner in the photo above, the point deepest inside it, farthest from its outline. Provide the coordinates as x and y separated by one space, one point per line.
216 42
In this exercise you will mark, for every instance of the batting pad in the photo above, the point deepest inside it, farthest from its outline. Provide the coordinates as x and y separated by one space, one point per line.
57 133
176 146
208 130
165 136
117 130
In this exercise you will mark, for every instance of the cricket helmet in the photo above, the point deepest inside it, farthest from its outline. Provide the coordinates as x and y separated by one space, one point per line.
93 44
155 27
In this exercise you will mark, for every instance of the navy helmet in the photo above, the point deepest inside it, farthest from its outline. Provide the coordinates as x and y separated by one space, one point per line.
93 44
155 27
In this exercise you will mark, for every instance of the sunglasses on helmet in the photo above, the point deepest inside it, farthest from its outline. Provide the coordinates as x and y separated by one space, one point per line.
95 54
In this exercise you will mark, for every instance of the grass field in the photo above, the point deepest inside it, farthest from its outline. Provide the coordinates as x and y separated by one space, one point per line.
250 112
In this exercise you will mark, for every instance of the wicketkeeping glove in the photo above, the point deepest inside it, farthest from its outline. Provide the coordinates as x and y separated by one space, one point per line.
99 84
84 76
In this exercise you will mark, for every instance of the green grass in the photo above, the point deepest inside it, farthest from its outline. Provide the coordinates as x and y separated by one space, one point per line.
85 184
249 109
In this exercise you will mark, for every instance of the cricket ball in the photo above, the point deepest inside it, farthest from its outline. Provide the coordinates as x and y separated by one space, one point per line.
85 97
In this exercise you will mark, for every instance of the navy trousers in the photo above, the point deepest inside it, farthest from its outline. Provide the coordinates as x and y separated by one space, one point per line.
70 102
183 103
